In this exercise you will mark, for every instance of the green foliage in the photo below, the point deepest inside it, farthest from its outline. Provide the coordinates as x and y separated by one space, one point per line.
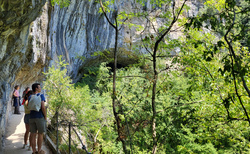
60 89
208 59
61 3
64 148
89 110
191 117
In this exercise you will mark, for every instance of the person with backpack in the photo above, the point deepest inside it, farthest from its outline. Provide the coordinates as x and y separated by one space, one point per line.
16 99
38 117
27 133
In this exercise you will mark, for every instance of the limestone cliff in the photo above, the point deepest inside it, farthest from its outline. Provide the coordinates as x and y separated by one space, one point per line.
18 62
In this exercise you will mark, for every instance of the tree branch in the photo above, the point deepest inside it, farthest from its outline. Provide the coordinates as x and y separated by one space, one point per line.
103 10
233 58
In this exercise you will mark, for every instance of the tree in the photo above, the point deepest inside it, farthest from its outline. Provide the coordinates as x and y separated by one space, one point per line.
228 21
117 108
157 47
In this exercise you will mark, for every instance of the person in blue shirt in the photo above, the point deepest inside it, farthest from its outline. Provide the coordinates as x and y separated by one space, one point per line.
37 121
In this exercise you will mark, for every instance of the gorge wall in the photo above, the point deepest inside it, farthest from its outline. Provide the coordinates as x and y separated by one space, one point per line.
19 64
33 34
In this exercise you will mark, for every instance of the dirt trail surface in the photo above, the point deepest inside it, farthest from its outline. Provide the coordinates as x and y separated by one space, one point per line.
14 136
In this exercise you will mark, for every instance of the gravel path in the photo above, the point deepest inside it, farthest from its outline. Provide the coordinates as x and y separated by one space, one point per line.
14 136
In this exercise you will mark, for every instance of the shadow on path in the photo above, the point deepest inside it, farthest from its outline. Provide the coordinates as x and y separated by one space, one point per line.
14 135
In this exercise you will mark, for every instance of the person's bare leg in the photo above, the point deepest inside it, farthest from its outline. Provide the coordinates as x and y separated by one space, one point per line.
33 142
30 140
40 141
27 126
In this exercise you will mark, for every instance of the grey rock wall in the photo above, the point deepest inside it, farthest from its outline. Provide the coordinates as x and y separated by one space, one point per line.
16 52
78 30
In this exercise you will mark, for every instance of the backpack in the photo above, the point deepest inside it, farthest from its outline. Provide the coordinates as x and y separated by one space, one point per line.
35 103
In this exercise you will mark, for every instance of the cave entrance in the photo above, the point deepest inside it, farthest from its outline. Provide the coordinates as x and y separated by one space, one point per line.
119 65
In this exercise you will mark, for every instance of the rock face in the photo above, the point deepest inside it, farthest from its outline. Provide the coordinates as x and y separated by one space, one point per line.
33 35
78 30
16 52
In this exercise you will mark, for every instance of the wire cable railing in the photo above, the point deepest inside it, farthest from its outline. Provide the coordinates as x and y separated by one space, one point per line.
63 134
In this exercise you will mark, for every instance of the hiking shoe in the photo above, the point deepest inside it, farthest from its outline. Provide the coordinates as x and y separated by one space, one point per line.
41 152
24 146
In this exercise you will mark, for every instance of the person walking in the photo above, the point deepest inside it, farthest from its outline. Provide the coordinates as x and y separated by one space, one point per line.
37 120
16 99
27 133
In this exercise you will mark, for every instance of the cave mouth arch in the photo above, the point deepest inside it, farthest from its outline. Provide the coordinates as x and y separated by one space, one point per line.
124 59
90 78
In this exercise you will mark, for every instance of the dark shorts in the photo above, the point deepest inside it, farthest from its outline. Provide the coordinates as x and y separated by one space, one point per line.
37 124
27 118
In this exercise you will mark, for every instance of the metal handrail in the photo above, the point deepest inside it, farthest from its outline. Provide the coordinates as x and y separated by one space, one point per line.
70 126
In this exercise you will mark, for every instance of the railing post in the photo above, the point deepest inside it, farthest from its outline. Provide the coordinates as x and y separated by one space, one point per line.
69 137
46 125
57 134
